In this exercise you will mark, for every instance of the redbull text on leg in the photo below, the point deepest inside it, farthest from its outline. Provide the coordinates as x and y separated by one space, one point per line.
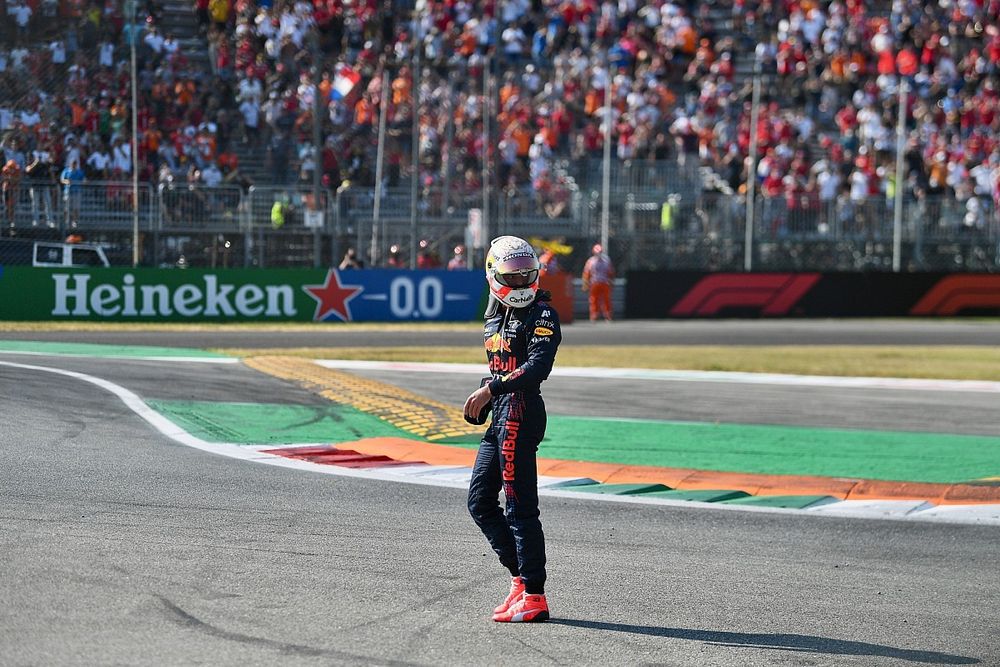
508 446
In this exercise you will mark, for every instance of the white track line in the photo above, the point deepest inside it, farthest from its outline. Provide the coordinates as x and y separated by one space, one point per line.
916 384
201 360
970 514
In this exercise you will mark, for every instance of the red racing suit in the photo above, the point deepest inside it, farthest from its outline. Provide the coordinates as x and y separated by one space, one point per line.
521 347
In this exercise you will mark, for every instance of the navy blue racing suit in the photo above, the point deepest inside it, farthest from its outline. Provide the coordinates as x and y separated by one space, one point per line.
520 348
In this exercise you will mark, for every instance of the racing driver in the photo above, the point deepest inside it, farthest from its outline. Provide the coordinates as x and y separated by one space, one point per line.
521 336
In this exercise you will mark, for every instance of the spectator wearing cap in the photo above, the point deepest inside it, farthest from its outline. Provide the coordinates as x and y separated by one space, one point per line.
458 262
395 259
426 257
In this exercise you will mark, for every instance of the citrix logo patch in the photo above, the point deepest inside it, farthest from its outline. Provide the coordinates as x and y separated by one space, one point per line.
507 448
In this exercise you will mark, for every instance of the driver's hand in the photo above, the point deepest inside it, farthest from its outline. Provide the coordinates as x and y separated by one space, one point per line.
476 401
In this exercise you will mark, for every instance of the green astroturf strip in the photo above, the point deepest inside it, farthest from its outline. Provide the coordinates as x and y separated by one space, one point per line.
788 502
263 423
621 489
783 450
661 491
96 350
700 495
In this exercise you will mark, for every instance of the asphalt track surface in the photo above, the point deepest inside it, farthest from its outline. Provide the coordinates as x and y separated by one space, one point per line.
122 547
644 332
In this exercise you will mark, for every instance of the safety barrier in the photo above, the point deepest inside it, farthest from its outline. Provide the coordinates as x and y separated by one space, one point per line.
101 205
655 221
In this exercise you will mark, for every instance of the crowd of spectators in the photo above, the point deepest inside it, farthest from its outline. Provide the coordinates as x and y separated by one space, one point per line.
828 138
679 87
677 73
65 111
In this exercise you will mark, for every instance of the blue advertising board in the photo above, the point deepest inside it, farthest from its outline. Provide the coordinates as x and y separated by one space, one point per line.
233 295
392 296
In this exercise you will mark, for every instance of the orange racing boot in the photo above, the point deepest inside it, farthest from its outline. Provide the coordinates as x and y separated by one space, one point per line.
516 591
526 609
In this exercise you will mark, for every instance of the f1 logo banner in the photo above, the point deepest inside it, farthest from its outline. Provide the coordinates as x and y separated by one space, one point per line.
659 294
957 293
235 295
773 293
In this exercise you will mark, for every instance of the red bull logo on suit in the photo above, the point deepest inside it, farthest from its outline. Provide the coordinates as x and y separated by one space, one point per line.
507 448
497 343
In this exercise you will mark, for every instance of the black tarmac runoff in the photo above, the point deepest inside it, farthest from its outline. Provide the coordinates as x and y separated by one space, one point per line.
120 546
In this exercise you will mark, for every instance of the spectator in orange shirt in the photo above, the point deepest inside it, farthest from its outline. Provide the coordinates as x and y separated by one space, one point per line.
204 148
522 136
79 114
598 275
364 111
402 86
184 92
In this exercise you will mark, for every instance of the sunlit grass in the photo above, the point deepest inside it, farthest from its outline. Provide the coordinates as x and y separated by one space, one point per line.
944 361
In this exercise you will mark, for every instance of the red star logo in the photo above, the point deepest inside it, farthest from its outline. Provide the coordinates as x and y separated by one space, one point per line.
332 297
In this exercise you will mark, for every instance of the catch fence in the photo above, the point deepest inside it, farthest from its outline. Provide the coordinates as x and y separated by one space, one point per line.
650 225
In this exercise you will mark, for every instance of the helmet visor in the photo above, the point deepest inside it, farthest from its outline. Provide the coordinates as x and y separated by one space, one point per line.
517 272
518 280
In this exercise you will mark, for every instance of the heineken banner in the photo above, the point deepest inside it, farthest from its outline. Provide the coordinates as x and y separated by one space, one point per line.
240 295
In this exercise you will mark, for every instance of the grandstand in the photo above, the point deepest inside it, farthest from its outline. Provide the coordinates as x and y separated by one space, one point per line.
510 100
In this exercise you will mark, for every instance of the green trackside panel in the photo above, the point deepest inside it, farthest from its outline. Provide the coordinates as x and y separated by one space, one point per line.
790 502
265 423
620 489
97 350
699 495
156 295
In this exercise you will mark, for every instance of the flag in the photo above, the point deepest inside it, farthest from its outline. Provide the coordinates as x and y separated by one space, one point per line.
344 82
554 245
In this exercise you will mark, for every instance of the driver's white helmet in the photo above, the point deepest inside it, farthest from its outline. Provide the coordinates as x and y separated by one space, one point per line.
512 271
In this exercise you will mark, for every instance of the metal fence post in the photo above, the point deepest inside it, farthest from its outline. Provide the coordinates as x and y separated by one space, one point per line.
248 228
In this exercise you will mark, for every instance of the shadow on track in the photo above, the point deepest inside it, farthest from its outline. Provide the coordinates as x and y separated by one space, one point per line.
787 642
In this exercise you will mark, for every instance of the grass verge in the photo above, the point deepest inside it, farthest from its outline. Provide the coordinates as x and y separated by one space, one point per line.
938 362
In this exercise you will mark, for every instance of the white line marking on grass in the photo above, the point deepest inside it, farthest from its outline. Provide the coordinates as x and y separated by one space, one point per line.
914 384
199 360
977 514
